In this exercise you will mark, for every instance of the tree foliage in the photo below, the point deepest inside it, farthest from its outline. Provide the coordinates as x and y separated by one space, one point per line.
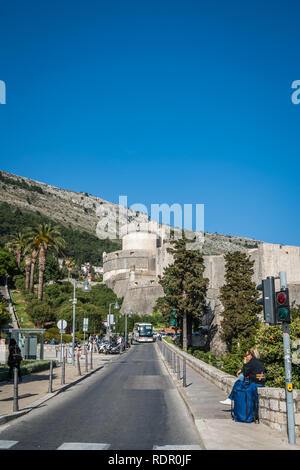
8 265
184 286
239 298
83 247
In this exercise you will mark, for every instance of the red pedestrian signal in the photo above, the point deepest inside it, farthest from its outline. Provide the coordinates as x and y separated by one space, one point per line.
282 306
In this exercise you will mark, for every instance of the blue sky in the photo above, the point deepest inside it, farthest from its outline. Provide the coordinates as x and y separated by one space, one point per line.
162 101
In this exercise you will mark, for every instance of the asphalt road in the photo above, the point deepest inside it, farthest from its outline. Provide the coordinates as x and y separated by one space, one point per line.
130 404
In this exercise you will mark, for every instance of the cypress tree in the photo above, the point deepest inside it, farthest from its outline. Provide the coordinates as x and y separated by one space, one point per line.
239 298
184 287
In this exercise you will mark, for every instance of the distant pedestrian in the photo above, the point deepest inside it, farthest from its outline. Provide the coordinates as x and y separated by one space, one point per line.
14 359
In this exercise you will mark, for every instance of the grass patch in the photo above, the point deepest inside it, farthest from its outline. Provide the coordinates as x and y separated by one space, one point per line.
20 308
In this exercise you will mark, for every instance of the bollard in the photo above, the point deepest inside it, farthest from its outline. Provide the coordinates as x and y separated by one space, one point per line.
178 368
91 363
78 363
50 377
86 358
16 380
184 373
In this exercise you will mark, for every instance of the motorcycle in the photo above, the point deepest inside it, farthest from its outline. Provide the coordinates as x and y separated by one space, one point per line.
113 348
103 346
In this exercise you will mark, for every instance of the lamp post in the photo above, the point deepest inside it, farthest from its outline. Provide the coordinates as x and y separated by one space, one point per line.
86 288
130 315
108 329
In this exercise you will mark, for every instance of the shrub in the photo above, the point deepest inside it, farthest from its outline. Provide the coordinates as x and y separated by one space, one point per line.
53 333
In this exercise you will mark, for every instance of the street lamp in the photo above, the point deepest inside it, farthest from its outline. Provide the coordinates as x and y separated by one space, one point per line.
86 288
108 329
130 315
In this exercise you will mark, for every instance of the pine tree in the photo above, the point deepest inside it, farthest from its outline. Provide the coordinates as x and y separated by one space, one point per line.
239 298
184 287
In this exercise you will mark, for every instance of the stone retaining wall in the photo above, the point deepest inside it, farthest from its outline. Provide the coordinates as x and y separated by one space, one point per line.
272 402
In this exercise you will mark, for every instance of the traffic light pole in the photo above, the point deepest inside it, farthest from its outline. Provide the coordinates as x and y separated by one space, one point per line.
288 371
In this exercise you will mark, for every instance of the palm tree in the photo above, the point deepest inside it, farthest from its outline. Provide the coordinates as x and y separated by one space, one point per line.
27 260
17 245
45 236
31 252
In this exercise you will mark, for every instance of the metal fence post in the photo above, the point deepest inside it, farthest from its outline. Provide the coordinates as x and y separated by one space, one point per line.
86 358
184 373
16 379
178 368
78 363
50 377
91 363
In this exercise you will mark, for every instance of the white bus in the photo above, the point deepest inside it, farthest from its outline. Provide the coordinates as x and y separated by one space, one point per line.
143 333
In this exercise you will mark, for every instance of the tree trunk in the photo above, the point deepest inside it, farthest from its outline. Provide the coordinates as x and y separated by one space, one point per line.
17 254
184 331
27 271
42 266
33 262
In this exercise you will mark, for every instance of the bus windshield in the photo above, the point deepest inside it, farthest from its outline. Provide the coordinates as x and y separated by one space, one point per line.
145 330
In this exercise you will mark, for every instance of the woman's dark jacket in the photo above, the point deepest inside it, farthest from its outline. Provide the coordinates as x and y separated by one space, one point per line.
14 355
254 369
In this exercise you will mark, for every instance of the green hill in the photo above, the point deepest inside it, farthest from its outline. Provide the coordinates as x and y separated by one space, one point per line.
82 246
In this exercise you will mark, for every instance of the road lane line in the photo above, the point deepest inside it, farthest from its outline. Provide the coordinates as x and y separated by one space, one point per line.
7 444
83 446
177 447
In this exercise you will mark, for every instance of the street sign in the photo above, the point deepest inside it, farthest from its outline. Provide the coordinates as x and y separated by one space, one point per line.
61 325
85 324
110 319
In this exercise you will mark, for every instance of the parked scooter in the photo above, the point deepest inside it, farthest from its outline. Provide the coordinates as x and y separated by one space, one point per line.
103 346
113 348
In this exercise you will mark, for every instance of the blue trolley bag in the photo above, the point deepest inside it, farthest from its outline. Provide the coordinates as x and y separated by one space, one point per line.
245 397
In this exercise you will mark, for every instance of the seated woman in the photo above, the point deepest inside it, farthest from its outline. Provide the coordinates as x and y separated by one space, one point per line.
253 369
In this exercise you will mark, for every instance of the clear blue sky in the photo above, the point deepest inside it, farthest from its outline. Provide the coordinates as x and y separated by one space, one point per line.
163 101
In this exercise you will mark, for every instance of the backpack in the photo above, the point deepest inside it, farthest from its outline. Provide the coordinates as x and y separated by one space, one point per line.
17 354
245 398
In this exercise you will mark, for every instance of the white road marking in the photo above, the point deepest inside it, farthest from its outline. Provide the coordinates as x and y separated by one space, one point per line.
83 446
178 447
7 444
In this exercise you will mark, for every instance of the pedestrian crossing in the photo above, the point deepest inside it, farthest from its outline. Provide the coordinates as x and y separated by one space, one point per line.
101 446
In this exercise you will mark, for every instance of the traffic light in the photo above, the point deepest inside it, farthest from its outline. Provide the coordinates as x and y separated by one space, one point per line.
268 299
282 306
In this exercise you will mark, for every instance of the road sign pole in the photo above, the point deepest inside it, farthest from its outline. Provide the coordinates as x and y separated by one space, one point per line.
288 370
16 398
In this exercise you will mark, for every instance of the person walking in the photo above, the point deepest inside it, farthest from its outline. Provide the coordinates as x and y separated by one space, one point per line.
14 359
253 369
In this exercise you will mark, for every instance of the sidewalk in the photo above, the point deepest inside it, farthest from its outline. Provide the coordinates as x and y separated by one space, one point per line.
34 388
213 420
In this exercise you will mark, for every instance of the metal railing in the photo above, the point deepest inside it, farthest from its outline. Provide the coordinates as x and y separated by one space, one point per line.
174 360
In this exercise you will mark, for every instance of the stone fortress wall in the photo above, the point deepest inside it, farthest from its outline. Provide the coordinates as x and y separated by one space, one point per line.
133 272
269 259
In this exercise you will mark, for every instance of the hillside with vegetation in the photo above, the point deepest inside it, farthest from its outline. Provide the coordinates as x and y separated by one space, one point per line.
83 213
81 246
